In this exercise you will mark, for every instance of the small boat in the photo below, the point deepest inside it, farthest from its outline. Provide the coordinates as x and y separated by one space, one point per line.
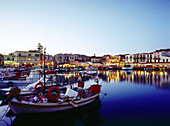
53 100
127 67
91 72
17 79
35 74
88 113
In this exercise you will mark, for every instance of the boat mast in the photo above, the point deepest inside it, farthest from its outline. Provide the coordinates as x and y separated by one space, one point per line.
44 68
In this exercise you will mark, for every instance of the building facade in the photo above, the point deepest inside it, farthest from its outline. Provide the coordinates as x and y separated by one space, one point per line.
65 58
95 59
49 61
161 56
1 59
22 58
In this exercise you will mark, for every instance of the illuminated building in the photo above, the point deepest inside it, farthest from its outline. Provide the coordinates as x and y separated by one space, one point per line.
22 58
1 59
49 61
67 58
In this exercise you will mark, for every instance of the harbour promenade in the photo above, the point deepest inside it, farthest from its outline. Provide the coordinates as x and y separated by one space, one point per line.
156 60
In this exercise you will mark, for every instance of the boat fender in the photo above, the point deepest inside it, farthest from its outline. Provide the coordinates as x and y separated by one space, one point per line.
53 90
35 99
40 83
45 100
14 92
41 98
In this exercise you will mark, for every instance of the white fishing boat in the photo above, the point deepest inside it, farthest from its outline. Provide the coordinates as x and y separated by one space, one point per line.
127 67
33 77
53 100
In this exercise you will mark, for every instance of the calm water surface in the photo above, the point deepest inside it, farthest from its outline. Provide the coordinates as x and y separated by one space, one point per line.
134 98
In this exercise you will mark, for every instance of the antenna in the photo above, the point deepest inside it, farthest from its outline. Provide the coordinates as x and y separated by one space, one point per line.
45 39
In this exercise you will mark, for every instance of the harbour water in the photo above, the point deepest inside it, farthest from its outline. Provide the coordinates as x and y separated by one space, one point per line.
134 98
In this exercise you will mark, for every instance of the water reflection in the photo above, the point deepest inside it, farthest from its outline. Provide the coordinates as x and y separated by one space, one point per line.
130 101
156 78
70 78
86 115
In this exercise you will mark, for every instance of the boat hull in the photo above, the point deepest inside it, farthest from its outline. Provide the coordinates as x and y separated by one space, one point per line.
127 68
25 107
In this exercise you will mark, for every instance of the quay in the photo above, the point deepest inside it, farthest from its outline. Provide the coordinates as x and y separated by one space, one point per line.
32 59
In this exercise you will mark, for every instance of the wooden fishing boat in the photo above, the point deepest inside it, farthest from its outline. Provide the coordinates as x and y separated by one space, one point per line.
87 113
127 67
52 103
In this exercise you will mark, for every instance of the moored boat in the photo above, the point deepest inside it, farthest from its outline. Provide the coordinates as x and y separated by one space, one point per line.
127 67
53 100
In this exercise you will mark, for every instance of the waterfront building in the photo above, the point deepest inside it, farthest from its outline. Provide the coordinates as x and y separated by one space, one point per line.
157 59
161 56
140 58
49 61
114 61
69 58
65 58
121 60
129 58
95 59
149 57
83 58
1 59
22 58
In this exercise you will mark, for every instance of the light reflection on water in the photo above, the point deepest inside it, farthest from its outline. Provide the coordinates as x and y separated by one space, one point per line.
133 98
155 78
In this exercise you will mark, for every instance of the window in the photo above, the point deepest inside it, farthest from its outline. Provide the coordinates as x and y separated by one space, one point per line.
37 55
19 54
29 54
163 60
166 60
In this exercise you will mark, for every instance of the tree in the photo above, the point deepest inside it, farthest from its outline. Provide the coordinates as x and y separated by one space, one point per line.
40 48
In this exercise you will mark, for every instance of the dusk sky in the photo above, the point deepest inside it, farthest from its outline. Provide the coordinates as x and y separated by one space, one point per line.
85 26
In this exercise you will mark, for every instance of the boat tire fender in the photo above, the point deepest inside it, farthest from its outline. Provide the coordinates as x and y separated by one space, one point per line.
53 89
40 83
